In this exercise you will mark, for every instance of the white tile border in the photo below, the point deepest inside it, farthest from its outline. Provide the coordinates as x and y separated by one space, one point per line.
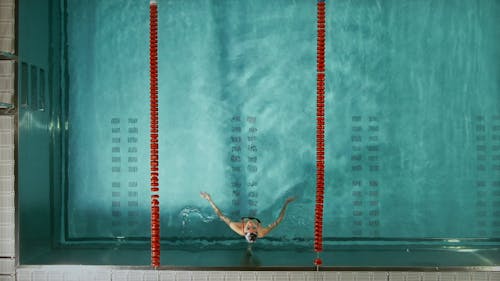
7 184
8 248
100 273
7 266
7 21
7 198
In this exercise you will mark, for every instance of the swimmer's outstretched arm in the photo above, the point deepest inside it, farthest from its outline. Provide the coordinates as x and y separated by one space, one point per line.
236 227
270 227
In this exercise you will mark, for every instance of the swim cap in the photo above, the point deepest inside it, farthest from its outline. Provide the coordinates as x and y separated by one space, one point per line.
250 218
251 237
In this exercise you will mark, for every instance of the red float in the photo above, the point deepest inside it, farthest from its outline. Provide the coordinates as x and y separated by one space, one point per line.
320 131
154 158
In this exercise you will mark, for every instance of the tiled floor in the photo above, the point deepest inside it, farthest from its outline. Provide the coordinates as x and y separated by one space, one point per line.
100 273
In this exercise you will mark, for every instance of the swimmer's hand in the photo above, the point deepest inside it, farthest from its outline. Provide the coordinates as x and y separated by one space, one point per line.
206 196
291 199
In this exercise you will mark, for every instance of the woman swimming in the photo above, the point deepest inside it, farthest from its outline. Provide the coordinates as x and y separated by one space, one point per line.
249 227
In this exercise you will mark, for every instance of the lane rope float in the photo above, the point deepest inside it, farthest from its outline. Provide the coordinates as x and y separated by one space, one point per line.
320 132
154 158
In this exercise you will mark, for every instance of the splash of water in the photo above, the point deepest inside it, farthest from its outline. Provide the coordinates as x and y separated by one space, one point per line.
188 213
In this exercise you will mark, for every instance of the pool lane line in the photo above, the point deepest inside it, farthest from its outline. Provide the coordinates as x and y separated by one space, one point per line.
320 132
154 158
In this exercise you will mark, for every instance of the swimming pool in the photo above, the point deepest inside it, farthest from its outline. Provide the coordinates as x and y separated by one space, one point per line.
412 132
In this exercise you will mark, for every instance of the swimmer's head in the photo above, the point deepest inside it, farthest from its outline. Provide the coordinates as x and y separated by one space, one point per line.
251 237
250 228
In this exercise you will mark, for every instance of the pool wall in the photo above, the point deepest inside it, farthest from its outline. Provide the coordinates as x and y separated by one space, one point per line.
39 124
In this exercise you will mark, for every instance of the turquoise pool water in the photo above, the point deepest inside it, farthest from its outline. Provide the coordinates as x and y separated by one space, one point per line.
413 131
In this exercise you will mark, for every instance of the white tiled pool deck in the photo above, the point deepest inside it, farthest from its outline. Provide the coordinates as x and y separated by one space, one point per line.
99 273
